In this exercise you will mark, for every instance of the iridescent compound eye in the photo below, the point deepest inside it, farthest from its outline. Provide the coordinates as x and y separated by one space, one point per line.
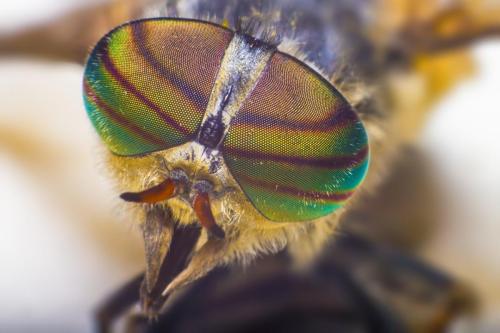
292 142
147 83
296 147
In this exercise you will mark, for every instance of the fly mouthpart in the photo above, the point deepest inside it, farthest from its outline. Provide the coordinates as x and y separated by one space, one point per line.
201 206
175 185
169 188
163 191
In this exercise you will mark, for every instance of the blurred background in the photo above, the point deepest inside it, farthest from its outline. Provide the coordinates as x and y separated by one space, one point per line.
64 245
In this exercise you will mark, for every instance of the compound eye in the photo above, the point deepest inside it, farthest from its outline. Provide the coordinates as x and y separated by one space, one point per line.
296 147
147 83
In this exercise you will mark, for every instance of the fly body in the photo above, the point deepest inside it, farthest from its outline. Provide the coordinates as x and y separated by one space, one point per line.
249 120
239 128
228 123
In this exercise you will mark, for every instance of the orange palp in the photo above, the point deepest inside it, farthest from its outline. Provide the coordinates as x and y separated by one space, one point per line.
161 192
201 206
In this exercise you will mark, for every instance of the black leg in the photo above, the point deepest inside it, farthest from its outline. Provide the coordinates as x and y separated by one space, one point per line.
117 304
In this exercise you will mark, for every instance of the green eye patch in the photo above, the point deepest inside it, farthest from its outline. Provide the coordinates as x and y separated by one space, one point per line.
296 147
147 83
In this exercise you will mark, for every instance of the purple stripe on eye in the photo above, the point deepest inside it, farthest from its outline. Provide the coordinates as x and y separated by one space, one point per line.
312 195
91 94
333 162
199 99
110 67
344 116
